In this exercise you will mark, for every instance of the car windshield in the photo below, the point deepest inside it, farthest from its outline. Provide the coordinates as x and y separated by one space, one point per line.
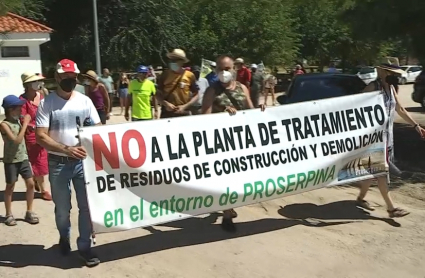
318 88
404 68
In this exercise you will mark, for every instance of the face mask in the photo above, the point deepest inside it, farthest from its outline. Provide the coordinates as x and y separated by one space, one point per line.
174 66
87 82
36 86
15 117
68 84
225 76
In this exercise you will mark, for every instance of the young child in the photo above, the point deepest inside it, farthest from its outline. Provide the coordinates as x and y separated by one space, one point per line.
15 157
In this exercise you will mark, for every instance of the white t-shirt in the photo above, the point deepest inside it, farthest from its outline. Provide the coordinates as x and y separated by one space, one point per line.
60 116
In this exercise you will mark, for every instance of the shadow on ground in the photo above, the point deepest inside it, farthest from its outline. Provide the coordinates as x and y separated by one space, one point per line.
415 109
409 151
340 210
193 231
19 196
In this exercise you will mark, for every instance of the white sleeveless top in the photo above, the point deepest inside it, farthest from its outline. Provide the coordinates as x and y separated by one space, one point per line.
390 105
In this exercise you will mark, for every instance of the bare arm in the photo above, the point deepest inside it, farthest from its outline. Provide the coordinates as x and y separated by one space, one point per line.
106 100
402 112
208 101
5 129
44 140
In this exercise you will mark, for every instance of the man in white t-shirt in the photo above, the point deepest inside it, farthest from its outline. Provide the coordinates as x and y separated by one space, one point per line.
56 130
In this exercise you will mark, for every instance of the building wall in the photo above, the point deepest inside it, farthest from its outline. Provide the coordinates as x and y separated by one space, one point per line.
12 68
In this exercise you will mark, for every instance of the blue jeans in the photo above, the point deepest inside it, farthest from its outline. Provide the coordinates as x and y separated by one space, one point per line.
60 176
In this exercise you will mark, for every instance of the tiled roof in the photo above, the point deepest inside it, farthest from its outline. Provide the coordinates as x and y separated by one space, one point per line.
17 24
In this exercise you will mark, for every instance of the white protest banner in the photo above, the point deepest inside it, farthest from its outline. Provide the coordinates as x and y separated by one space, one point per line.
205 67
146 173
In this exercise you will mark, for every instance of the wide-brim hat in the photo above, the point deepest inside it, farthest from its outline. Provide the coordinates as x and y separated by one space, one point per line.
178 54
91 75
28 77
391 68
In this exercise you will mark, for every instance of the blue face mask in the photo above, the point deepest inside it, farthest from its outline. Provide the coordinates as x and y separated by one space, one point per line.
174 66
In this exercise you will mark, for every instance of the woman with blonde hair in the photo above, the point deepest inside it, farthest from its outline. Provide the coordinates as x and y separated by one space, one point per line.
37 155
387 80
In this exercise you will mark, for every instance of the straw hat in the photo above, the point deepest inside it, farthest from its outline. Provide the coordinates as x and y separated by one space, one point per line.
28 77
391 68
178 54
91 75
239 61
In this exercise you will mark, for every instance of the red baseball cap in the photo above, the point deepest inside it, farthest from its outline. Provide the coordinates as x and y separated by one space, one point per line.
67 65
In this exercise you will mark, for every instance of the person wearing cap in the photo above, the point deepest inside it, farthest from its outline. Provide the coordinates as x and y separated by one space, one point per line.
202 85
98 94
227 95
386 74
257 85
177 88
107 80
15 157
56 130
141 93
243 75
37 155
212 75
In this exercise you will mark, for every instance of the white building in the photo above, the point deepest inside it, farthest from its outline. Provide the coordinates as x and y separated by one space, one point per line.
20 51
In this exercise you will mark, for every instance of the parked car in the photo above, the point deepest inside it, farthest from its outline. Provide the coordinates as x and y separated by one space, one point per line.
367 74
410 75
309 87
418 94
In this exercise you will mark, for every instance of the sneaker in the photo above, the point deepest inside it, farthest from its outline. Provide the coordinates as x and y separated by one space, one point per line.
64 246
90 259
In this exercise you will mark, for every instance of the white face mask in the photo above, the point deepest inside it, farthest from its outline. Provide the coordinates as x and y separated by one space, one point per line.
87 82
36 85
225 76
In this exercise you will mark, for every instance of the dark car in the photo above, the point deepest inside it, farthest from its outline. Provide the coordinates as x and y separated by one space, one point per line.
418 94
309 87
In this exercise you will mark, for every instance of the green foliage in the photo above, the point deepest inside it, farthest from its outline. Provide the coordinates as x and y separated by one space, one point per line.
275 32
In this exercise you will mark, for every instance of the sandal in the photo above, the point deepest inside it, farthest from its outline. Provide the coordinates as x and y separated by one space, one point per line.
31 218
397 212
364 204
46 196
10 221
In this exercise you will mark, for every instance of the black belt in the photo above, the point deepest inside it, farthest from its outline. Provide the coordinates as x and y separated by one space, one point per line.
62 159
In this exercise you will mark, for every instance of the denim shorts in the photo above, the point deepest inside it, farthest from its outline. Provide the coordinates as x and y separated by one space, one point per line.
123 92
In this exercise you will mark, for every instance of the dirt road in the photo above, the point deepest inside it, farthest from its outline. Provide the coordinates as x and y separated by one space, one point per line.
316 234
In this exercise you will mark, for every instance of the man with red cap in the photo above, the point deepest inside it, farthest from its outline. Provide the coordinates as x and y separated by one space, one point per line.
56 130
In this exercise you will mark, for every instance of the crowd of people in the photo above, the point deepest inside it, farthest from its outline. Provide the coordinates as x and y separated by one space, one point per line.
40 130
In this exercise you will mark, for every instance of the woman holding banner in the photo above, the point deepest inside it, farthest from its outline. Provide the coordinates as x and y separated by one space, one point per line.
386 74
227 95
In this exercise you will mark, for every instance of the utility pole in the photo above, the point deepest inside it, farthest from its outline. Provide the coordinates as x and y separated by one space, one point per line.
96 38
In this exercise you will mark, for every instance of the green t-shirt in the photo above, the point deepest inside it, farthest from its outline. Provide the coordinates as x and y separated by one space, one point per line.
141 93
14 153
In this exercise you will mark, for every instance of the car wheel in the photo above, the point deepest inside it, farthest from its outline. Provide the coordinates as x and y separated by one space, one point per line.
403 81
